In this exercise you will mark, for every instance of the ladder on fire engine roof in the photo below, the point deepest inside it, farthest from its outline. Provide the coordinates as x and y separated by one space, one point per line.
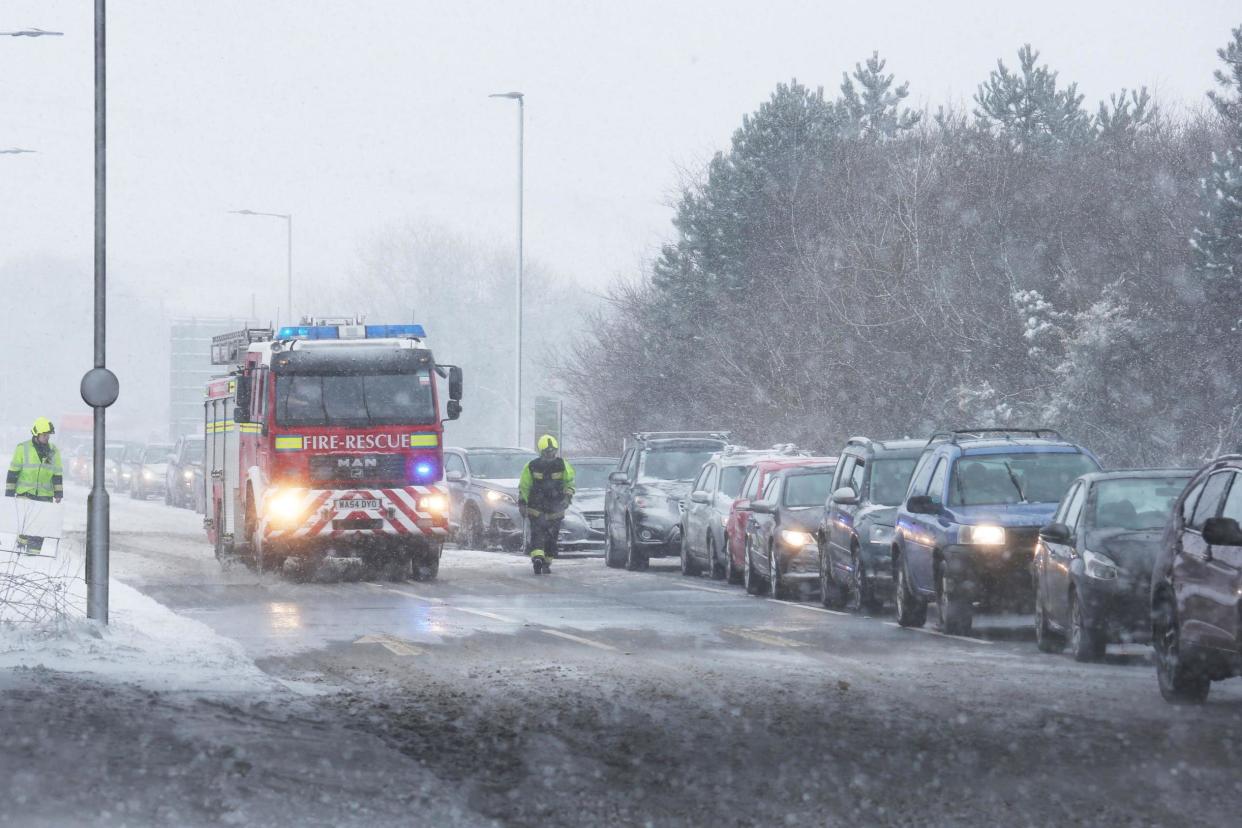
228 348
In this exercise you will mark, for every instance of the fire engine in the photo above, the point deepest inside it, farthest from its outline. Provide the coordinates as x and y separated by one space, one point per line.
325 440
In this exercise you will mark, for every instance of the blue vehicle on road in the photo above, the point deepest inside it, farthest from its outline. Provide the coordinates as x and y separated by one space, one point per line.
966 533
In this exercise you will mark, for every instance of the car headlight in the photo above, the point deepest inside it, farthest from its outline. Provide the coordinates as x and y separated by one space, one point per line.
796 539
127 474
724 520
285 506
1098 566
643 502
433 503
147 475
881 534
187 474
494 497
983 535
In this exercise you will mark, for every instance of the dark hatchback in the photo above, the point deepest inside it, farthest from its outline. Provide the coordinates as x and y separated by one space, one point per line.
1093 562
1196 589
780 533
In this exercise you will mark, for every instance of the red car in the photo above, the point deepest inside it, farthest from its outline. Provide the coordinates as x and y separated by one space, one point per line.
739 513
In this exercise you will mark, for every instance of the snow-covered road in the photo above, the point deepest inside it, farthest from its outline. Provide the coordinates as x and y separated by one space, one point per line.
596 696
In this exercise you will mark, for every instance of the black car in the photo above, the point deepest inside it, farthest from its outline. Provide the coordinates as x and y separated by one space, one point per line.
855 534
1196 585
645 497
780 532
1093 562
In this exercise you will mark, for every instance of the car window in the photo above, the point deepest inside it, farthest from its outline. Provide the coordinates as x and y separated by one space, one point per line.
856 476
922 475
672 464
700 482
1063 506
1133 503
591 475
631 469
846 466
888 480
506 465
731 478
453 462
1209 499
1073 512
771 489
1016 477
1233 500
802 490
156 454
935 488
751 486
1191 500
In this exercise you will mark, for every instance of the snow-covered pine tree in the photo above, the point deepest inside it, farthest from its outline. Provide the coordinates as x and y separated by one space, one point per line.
877 112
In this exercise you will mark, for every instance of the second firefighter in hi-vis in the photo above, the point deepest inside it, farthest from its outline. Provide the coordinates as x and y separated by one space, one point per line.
544 492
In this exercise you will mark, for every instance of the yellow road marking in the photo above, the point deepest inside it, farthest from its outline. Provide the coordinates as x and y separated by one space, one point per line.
393 645
762 637
579 639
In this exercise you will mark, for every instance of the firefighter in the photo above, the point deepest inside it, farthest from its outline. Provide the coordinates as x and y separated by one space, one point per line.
544 492
36 474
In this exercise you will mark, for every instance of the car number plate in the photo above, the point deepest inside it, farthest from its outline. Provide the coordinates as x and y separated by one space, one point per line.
355 504
597 524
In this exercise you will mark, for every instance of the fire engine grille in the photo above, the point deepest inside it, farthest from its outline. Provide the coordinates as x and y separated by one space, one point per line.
387 467
374 524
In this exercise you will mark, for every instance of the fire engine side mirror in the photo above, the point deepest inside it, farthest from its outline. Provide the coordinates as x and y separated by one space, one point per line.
240 415
455 385
454 409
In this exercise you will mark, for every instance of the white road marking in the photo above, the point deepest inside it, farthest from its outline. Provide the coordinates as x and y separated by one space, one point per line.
925 631
824 610
484 614
393 645
762 637
579 639
708 589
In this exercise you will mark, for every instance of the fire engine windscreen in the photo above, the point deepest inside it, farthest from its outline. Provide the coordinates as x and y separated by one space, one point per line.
354 391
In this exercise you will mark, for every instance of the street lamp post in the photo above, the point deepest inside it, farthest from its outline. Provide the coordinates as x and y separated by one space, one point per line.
288 217
521 101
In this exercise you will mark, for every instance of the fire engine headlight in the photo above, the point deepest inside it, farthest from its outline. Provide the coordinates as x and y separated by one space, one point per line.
983 534
285 507
187 475
494 497
433 503
796 539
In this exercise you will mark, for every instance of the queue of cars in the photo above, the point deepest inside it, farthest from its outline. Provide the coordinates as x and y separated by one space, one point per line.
966 521
145 470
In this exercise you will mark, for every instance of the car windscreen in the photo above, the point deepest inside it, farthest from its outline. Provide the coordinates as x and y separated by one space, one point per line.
592 475
1135 504
731 479
194 452
1020 477
499 465
114 452
156 454
133 453
807 489
672 464
890 479
355 400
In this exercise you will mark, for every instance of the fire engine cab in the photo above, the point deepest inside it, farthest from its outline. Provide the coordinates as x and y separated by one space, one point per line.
325 440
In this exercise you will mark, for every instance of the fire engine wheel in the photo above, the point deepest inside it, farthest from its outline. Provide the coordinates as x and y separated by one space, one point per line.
427 562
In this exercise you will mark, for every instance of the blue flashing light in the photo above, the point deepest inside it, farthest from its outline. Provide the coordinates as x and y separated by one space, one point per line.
424 470
394 331
309 332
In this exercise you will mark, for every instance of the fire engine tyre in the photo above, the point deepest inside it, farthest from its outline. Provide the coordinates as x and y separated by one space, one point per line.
614 558
955 614
635 559
427 562
911 609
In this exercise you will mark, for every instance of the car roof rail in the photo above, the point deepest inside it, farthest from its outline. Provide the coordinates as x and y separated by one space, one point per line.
673 435
861 441
733 449
959 435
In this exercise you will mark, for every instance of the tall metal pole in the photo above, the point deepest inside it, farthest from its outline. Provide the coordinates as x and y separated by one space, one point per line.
97 528
521 164
293 320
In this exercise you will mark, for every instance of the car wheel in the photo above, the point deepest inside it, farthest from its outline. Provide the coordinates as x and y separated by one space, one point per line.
911 609
955 614
714 567
635 560
732 576
167 496
689 566
776 589
472 529
1086 642
830 593
613 557
1181 680
862 596
1047 640
750 578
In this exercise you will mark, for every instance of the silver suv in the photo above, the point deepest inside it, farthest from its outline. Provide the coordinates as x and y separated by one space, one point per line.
483 494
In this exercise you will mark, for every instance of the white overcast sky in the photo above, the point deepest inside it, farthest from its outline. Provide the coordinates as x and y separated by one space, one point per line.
360 115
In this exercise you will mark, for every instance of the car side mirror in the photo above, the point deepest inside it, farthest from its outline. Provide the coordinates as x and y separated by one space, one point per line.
763 507
922 505
845 496
619 478
453 409
455 476
700 496
1056 533
1222 531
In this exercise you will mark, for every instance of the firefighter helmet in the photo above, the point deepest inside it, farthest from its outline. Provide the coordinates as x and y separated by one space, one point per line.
547 441
42 425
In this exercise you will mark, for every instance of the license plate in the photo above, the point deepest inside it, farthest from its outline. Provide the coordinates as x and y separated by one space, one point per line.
357 504
597 524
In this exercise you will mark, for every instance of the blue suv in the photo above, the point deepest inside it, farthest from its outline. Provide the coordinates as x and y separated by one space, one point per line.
967 530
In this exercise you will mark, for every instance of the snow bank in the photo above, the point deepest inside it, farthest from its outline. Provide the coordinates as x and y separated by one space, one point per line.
145 643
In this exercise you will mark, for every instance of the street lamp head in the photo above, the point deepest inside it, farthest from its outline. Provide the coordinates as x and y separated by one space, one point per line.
15 151
516 96
243 212
32 32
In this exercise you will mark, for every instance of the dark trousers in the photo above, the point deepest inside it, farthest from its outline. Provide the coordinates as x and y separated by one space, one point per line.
544 532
